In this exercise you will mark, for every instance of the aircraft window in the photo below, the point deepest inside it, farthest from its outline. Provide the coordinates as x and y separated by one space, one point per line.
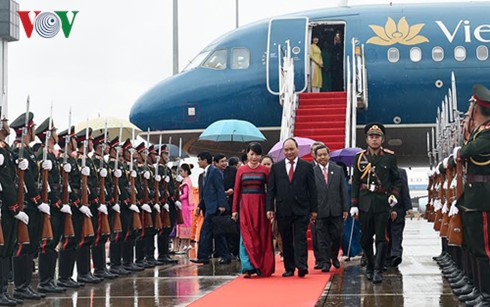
482 53
240 58
437 54
460 53
217 60
197 60
415 54
393 55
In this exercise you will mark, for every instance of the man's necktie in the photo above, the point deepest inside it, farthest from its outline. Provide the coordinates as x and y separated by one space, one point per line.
291 171
325 174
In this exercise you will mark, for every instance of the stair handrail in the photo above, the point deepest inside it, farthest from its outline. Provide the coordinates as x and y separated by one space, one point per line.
364 79
354 94
348 107
287 94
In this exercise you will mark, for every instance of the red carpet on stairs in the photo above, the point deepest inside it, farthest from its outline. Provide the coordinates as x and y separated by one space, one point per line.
321 117
270 291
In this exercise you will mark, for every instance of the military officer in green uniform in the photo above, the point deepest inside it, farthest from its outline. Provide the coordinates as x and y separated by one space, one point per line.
476 204
375 188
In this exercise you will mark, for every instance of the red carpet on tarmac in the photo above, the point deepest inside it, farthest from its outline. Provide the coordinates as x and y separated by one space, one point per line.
270 291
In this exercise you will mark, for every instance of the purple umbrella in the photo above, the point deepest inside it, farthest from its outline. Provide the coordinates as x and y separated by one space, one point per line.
345 155
304 145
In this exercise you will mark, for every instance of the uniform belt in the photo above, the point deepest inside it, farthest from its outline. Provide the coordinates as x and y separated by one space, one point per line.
478 178
377 189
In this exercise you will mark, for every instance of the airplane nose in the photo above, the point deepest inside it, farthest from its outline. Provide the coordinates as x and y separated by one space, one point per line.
160 108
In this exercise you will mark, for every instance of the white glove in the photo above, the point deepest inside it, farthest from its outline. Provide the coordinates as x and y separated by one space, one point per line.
445 162
392 200
354 211
456 152
103 172
102 208
167 179
133 174
23 217
23 164
179 178
117 173
437 168
437 205
86 171
85 210
47 165
66 209
157 207
67 167
134 208
146 207
166 207
146 174
454 182
158 178
178 204
445 209
44 208
454 210
116 208
2 159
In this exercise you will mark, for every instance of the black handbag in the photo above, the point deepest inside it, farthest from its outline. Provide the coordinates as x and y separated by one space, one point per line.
224 225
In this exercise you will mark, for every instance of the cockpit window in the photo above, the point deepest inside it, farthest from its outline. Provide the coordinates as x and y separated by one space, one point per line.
197 60
217 60
240 58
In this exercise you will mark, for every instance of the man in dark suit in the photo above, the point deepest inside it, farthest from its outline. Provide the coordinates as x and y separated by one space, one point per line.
314 236
332 207
292 188
396 223
212 203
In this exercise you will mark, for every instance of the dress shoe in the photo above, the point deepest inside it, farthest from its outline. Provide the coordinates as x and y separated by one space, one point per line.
369 274
203 261
363 261
456 278
168 260
132 267
460 283
395 261
5 301
288 274
453 274
463 290
377 277
34 292
16 300
119 270
318 266
68 283
336 263
25 294
104 274
50 288
144 264
326 268
224 261
470 296
155 262
474 302
88 279
302 272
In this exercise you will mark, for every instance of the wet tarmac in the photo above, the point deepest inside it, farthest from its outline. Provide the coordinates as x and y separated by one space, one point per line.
416 282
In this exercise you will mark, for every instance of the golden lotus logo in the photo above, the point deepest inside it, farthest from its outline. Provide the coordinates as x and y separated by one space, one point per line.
397 34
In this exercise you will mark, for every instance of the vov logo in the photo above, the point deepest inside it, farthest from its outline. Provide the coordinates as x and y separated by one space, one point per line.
47 24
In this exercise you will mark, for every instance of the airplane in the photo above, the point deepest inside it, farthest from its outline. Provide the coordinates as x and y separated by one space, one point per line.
409 53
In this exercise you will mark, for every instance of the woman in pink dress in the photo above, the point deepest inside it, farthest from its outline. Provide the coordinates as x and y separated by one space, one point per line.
256 250
184 231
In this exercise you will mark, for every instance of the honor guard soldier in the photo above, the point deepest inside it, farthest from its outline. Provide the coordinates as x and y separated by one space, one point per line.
10 213
168 193
129 209
70 189
375 187
26 249
144 196
49 165
100 218
476 207
89 204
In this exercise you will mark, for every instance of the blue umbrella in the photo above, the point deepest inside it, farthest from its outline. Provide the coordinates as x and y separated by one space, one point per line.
231 130
345 155
173 151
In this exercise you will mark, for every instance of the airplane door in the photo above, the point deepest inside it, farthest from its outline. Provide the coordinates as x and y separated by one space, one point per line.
281 30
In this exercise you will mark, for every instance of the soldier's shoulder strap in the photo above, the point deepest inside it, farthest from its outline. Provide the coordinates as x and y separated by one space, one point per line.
388 151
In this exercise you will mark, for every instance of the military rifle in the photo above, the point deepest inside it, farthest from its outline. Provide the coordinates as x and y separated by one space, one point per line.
22 231
88 227
68 230
47 230
147 220
158 218
136 216
104 219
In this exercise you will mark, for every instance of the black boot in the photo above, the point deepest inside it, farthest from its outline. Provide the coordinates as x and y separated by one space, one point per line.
100 266
6 267
22 277
4 299
83 266
378 265
115 253
484 282
46 274
66 265
370 262
128 257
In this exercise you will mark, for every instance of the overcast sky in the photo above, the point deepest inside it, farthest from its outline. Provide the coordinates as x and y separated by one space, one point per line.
118 49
